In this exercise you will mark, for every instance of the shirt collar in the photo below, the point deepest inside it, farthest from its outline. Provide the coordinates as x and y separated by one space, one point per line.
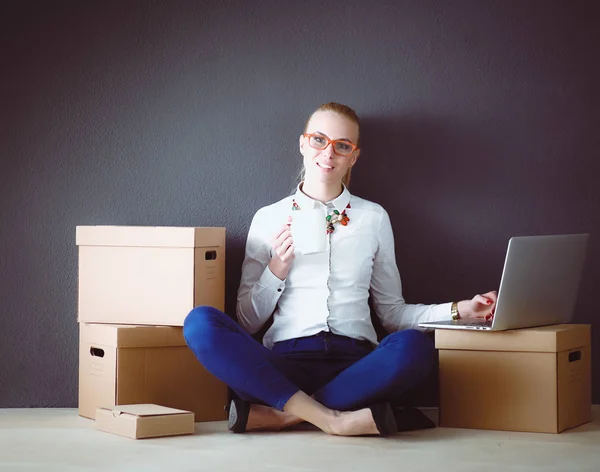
339 203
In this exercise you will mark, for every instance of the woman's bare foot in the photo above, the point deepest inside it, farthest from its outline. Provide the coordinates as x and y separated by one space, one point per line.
262 417
341 423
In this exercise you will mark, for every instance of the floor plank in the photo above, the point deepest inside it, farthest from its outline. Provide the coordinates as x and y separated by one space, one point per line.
58 439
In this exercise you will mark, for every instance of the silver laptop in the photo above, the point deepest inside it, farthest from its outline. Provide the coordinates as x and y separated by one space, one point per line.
539 284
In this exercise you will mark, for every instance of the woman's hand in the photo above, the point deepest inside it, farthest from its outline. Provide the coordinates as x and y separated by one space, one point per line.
283 251
480 307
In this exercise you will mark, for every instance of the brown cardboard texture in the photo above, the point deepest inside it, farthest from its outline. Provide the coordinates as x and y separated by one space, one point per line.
144 421
149 275
124 364
535 379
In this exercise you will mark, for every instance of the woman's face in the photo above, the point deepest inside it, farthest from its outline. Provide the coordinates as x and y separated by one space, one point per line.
324 165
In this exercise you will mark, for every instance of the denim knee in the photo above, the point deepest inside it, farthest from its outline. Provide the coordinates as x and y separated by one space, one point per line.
414 349
198 328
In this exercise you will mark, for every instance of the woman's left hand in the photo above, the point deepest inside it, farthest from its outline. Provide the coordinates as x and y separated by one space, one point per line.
480 307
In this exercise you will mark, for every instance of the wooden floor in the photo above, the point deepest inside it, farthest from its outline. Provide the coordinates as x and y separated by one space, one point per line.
59 440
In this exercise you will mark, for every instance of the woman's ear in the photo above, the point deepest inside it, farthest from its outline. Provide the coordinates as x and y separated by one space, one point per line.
301 144
355 157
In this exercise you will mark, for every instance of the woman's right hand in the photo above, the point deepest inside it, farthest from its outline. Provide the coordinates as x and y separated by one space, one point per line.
283 251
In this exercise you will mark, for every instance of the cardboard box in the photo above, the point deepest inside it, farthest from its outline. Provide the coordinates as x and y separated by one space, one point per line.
144 421
149 275
124 364
535 380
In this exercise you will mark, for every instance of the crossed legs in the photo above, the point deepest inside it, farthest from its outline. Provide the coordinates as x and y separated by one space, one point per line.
259 375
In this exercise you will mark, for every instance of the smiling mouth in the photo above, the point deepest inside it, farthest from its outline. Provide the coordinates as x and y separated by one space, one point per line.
324 166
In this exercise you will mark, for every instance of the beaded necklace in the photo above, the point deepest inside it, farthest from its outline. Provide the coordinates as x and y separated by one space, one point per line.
332 219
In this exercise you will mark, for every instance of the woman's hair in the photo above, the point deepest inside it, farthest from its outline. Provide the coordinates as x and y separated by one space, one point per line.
345 111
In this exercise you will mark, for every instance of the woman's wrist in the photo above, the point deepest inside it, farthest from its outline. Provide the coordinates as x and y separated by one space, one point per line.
462 308
279 269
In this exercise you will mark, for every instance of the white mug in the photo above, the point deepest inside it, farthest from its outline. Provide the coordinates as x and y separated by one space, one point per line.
309 231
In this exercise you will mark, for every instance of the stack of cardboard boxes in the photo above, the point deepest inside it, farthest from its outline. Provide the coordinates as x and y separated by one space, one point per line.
136 286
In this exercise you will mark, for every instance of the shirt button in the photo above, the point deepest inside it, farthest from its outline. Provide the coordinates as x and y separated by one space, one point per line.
279 290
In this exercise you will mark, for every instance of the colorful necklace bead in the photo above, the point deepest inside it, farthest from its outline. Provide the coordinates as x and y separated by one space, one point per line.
331 220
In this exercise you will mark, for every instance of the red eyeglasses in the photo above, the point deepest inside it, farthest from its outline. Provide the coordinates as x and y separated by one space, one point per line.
340 146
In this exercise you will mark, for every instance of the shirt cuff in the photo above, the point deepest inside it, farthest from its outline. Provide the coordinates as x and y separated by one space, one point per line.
271 282
442 312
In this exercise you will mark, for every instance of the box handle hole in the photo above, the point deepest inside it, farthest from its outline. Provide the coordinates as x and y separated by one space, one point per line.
96 352
210 255
574 356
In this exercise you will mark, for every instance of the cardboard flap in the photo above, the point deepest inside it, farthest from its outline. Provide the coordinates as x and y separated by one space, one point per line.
147 409
131 335
554 338
150 236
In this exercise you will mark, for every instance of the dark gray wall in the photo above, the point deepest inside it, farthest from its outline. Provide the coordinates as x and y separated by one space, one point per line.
479 123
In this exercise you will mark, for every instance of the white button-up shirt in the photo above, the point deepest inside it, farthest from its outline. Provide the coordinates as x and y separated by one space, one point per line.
328 291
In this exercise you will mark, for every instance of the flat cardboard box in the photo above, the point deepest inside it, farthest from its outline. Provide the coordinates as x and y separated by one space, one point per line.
124 364
149 275
533 380
144 421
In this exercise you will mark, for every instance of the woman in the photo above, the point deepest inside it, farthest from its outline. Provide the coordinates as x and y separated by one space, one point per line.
320 361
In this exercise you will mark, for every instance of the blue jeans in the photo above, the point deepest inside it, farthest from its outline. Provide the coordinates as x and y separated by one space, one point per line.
342 373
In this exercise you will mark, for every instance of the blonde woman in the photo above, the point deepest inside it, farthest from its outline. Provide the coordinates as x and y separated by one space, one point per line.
320 360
